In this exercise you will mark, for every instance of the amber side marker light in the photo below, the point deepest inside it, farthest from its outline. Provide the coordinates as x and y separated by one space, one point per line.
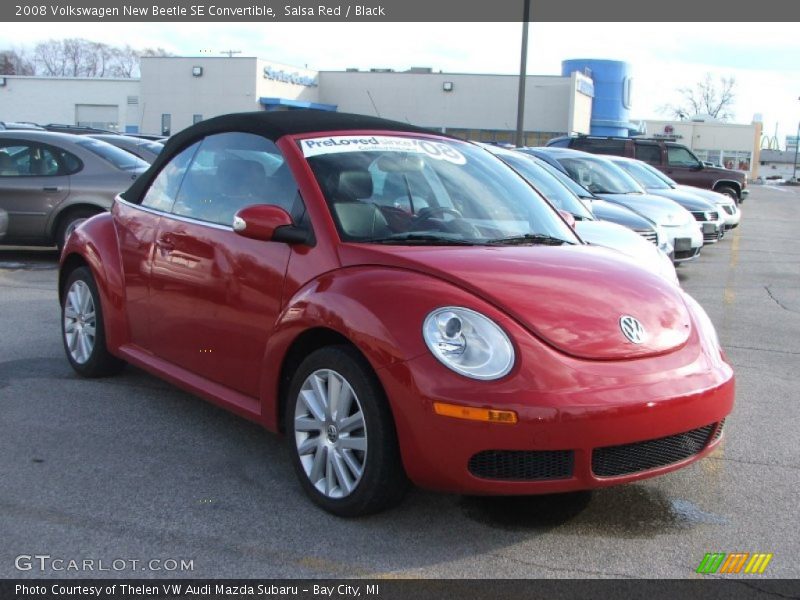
475 414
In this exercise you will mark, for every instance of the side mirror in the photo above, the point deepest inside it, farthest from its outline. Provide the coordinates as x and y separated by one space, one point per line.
268 223
568 217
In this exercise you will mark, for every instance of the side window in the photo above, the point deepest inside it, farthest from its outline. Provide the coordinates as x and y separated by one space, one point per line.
72 164
678 156
649 153
562 143
234 170
600 146
20 159
164 189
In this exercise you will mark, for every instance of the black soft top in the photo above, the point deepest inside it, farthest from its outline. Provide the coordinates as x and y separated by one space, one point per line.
271 125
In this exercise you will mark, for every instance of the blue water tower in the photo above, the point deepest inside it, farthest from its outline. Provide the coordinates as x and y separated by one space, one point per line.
612 93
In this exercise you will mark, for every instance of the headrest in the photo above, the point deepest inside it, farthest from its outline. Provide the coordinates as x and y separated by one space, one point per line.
354 185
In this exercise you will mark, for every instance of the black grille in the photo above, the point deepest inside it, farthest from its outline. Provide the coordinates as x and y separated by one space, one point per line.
704 216
649 234
612 461
522 465
718 432
681 254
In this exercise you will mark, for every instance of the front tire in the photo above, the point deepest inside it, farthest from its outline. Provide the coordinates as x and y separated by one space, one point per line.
730 192
82 329
342 436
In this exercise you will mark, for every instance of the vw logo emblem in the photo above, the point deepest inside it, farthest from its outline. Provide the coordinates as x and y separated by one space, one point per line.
632 329
333 433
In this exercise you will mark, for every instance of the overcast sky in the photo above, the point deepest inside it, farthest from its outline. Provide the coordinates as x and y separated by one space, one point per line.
763 57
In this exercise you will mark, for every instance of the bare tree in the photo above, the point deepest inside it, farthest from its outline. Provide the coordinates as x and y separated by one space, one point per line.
50 58
78 57
125 62
707 97
16 62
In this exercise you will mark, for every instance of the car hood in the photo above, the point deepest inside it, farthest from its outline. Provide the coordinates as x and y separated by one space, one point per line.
571 297
662 211
632 245
690 202
708 195
608 211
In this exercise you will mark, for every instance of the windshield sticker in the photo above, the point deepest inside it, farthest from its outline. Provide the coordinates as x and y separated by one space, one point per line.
380 143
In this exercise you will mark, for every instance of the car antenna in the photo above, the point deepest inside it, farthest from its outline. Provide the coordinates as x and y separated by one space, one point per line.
373 104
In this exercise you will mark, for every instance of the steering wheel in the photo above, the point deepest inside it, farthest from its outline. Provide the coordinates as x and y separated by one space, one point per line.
429 212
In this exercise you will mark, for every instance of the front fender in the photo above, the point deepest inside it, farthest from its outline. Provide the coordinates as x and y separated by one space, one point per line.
380 310
94 242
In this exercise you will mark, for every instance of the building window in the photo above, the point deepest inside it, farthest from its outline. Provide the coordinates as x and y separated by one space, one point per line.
166 124
196 118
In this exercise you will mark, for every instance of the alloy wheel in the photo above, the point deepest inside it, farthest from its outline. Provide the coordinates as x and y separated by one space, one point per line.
80 322
330 433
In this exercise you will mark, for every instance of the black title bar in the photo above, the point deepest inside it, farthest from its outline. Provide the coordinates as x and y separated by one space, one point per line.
395 11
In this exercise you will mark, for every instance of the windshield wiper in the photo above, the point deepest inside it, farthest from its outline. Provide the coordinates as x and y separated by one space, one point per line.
529 238
422 238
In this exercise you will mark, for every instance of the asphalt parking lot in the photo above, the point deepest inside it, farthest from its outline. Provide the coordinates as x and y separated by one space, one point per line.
131 468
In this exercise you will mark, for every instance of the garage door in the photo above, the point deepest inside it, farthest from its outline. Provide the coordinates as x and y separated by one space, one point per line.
102 116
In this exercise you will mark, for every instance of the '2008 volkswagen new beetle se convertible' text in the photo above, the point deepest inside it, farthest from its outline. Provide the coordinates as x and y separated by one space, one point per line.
401 305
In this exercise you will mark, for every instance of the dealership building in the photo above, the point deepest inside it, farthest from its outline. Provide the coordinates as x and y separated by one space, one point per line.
174 92
589 96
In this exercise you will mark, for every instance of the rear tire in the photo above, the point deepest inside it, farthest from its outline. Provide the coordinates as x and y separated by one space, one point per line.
342 436
82 329
69 221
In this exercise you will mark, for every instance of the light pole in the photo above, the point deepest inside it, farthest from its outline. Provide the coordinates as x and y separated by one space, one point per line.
526 14
796 147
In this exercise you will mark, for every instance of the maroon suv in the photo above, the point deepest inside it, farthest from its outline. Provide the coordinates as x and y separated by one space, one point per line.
676 160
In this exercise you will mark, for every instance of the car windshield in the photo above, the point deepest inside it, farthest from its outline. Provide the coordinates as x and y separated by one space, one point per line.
656 173
116 156
644 176
546 184
414 190
599 176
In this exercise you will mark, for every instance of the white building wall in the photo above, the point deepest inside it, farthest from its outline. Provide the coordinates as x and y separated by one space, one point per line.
476 101
580 111
54 99
168 87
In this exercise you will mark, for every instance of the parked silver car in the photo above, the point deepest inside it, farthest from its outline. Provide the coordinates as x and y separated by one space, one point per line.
605 179
591 230
50 182
708 216
147 150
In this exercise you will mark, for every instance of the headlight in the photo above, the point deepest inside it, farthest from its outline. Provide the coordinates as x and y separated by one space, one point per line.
468 343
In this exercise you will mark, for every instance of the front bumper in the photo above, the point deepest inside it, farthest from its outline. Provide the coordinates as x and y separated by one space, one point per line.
569 429
677 235
731 215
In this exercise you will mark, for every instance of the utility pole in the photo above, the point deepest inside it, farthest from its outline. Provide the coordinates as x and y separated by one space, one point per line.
796 147
230 53
526 14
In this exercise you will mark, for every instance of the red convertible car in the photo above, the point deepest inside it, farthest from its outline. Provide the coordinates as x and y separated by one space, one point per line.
401 305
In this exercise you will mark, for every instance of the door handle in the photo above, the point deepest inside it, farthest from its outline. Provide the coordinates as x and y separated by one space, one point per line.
50 189
166 243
